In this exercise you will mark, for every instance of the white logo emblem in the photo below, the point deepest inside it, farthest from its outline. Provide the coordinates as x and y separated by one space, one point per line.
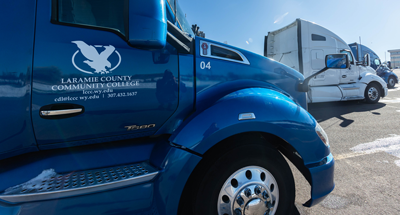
96 61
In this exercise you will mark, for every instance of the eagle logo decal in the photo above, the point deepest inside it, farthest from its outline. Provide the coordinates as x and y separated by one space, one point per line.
95 58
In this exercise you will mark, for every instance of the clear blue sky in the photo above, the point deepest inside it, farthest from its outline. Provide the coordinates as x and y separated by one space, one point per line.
238 21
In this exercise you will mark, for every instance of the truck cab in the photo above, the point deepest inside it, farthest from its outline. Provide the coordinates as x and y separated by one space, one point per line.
116 107
382 70
309 43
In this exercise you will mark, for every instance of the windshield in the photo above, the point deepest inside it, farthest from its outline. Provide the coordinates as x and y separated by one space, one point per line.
185 25
355 51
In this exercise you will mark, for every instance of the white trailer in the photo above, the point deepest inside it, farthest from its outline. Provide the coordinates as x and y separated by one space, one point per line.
302 45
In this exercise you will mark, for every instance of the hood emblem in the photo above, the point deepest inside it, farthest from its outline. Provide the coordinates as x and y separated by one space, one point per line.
204 46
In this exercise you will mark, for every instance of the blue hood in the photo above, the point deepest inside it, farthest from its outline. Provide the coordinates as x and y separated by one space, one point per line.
278 76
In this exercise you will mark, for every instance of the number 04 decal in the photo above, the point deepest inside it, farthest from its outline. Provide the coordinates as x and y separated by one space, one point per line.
203 65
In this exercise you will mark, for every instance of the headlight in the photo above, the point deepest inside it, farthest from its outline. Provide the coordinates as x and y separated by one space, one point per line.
322 135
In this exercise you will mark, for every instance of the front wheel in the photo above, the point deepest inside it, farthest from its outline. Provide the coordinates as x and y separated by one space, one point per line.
249 179
372 93
250 190
391 82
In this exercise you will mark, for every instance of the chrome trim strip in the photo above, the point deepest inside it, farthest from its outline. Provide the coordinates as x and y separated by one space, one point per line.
245 61
60 112
350 88
246 116
77 191
352 98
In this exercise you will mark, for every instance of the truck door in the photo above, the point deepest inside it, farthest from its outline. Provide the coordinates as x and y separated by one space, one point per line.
320 44
89 84
351 74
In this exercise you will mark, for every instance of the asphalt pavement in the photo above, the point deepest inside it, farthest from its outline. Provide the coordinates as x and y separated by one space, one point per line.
365 142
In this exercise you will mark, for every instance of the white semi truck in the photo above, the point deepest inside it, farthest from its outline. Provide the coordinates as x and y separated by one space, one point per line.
302 45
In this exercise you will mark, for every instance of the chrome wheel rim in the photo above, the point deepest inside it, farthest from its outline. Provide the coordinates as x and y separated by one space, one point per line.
373 93
250 190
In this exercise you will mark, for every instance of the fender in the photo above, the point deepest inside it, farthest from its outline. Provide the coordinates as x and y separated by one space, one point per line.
274 113
367 78
209 96
385 76
177 166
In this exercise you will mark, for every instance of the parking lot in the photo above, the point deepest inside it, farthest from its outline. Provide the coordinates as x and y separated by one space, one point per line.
365 141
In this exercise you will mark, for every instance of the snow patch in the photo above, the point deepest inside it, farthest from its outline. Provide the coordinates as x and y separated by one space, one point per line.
334 202
390 145
384 161
45 175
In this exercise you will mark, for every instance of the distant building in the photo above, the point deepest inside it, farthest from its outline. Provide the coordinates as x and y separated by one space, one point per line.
394 57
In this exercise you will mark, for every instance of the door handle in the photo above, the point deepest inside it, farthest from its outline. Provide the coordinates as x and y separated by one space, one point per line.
344 76
60 112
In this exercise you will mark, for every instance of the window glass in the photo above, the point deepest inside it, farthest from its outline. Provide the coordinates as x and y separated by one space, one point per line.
221 52
316 37
184 24
377 61
349 54
101 13
355 52
172 4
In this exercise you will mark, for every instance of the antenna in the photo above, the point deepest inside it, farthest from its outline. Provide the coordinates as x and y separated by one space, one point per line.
359 52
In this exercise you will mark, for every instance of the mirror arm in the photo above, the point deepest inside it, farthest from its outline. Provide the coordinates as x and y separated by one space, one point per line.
181 47
179 34
303 86
179 39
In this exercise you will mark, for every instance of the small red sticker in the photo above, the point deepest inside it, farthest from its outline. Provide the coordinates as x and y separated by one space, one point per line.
204 46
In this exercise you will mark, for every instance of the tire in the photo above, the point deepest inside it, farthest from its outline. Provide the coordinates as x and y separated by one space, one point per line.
372 93
261 173
391 82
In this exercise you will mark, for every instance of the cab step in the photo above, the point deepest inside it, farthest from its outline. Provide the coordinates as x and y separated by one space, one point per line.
79 183
348 98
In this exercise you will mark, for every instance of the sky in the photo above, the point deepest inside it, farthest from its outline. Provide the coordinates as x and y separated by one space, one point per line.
244 23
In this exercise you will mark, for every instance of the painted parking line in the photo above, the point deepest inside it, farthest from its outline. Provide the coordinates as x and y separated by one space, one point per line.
348 155
390 145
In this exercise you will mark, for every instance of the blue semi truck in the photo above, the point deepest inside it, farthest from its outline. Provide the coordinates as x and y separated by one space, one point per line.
115 107
381 69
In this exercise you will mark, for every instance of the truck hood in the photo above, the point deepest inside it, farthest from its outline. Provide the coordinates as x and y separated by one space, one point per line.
253 67
367 69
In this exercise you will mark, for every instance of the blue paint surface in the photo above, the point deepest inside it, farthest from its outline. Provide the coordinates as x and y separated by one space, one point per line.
15 78
178 108
275 114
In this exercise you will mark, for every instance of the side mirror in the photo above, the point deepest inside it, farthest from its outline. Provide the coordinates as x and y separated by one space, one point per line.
367 60
332 61
337 61
147 24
